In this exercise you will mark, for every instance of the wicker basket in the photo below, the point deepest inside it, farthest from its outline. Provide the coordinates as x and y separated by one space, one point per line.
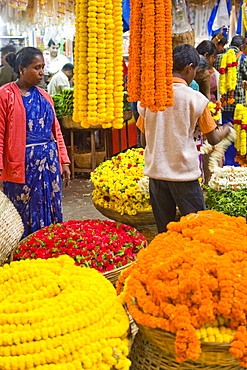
212 353
84 160
183 38
67 122
11 228
141 218
110 275
114 274
146 356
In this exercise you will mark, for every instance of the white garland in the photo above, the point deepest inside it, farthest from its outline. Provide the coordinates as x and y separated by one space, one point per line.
229 178
217 150
144 185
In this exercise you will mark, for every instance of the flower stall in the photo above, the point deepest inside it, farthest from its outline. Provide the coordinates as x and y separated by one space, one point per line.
103 245
186 293
55 315
227 191
121 190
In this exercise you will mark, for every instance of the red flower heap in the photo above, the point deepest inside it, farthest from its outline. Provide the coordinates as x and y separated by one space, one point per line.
103 245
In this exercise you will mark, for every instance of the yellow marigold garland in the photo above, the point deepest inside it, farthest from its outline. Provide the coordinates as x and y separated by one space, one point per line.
80 68
188 277
244 17
55 315
98 91
215 109
150 59
240 126
228 76
118 64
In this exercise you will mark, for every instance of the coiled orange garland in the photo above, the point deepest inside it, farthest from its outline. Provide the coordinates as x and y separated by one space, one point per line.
190 275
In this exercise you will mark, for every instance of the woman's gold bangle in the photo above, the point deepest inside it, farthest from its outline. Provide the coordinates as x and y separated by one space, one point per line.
66 164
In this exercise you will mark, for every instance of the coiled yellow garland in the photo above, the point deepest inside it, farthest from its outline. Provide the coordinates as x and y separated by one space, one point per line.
55 315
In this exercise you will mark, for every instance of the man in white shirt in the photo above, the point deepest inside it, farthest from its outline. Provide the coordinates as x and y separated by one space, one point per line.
54 61
60 80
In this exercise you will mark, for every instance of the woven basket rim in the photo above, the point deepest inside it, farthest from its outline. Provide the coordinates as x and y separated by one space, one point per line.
118 269
125 214
173 335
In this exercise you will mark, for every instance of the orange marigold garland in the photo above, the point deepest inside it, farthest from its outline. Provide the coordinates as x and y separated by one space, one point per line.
135 50
189 276
150 54
149 47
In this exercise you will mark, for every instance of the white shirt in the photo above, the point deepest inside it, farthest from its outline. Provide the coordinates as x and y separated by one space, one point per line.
58 83
171 152
56 64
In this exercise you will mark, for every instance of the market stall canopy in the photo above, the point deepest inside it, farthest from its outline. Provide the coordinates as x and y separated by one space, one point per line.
38 12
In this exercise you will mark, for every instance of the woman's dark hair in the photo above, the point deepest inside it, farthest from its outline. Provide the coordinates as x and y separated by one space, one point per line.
237 41
206 46
183 55
8 49
51 42
203 64
23 58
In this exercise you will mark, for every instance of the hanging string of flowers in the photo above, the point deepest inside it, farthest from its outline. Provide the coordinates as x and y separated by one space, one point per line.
150 54
215 109
98 90
244 16
217 151
240 125
228 76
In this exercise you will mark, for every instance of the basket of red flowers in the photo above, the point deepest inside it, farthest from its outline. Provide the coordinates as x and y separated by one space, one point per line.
107 246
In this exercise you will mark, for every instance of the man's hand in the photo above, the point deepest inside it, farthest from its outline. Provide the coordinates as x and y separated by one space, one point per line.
244 85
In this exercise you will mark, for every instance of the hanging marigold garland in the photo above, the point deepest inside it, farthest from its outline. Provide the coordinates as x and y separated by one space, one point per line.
244 16
228 76
98 90
150 54
240 126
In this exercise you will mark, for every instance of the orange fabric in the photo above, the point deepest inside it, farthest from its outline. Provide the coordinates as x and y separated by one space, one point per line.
177 80
239 55
140 123
206 122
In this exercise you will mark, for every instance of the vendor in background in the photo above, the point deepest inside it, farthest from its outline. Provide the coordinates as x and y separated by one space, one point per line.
220 43
203 77
61 80
7 73
208 49
54 61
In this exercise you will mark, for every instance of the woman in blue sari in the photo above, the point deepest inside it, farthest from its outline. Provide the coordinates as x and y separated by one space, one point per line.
32 151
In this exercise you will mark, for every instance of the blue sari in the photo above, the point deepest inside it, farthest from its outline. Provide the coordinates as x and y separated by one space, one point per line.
39 200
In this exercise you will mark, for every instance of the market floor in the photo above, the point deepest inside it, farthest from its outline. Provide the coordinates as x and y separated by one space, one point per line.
77 201
78 205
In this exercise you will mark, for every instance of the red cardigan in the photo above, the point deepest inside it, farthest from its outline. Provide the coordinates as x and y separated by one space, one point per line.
13 134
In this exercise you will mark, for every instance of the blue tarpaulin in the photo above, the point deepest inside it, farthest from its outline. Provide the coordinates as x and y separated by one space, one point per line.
126 14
